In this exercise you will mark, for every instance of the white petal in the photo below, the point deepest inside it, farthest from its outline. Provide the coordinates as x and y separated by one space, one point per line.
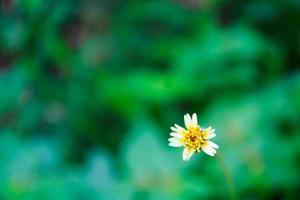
175 144
213 145
213 150
209 130
187 120
187 154
172 139
208 150
179 128
209 136
174 129
176 135
194 119
208 133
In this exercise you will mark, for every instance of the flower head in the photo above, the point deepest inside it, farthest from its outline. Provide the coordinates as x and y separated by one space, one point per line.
193 138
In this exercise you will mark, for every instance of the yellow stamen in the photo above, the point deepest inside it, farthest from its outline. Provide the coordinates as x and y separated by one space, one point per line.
193 138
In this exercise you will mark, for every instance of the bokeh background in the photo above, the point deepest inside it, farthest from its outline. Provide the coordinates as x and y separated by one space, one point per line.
89 90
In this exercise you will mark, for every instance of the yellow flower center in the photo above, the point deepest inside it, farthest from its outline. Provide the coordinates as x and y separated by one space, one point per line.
193 138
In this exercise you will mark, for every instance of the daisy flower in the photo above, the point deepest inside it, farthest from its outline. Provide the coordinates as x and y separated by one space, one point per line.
193 138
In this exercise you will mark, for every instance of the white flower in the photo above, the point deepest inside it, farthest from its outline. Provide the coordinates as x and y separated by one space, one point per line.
194 138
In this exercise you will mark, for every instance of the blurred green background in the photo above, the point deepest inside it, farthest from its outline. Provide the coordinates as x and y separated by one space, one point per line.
89 90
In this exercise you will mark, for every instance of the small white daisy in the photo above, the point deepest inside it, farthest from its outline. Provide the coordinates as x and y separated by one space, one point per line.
194 138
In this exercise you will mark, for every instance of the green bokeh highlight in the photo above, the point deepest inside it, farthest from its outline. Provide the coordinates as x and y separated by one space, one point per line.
89 90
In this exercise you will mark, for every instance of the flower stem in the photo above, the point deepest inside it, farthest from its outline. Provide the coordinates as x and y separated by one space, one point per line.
227 175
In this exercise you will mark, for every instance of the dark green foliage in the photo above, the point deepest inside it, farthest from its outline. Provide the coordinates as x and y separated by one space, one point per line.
89 89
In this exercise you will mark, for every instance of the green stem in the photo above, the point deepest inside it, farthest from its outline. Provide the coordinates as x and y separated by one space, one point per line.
227 175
